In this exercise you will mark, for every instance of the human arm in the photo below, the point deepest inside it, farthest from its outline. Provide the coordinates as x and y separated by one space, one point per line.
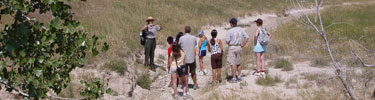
208 46
200 43
144 27
269 34
169 62
227 39
160 27
255 37
221 46
244 34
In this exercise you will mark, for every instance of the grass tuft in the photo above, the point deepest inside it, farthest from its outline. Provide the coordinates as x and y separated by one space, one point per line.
116 65
144 81
284 64
269 80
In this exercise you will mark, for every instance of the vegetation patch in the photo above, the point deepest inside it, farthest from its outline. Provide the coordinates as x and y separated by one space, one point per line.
144 81
117 65
284 64
269 80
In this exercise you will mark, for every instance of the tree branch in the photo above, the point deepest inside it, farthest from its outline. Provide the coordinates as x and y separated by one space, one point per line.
361 60
27 95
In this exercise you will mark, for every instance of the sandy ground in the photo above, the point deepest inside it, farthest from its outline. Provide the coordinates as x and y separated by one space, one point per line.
160 90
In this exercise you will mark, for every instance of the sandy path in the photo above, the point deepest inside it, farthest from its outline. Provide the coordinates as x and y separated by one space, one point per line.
160 89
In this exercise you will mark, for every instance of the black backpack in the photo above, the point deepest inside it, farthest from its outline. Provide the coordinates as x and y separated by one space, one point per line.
143 36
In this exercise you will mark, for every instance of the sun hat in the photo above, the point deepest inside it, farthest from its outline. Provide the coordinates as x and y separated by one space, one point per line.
200 32
150 19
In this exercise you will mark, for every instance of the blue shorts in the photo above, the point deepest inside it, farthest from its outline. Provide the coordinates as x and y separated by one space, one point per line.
202 53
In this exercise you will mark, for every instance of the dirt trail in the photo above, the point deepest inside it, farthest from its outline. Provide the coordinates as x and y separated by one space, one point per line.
160 89
250 90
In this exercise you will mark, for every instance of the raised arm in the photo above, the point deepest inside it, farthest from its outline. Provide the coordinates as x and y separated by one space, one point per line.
144 27
161 27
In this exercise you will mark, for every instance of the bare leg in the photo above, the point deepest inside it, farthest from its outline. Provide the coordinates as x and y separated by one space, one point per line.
194 76
258 61
262 60
218 74
234 71
186 81
174 81
238 70
214 75
201 65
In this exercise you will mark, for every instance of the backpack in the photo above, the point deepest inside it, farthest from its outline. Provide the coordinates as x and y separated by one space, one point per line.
143 36
263 37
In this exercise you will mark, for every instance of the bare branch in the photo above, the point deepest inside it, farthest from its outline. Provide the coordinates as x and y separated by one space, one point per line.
27 95
361 60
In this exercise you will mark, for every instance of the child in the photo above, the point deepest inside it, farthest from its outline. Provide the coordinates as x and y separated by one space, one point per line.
260 49
216 48
202 44
178 68
170 42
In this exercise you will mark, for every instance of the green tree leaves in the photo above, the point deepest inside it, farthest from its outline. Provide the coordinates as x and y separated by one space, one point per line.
38 57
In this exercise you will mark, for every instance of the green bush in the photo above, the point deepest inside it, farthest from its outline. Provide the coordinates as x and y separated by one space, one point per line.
269 80
117 65
284 64
144 81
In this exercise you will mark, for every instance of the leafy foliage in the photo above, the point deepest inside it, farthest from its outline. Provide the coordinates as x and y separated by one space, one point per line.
37 57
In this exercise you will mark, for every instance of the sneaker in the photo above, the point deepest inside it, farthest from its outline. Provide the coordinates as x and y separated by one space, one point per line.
186 96
205 72
262 73
257 74
239 79
196 87
232 80
175 96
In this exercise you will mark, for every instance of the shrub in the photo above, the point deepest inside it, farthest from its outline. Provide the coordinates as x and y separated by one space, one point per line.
284 64
269 80
117 65
144 81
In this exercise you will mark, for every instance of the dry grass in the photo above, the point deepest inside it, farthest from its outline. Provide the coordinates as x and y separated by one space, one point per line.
352 23
120 20
269 80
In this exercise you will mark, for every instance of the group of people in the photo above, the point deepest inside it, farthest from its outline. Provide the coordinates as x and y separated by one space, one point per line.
182 53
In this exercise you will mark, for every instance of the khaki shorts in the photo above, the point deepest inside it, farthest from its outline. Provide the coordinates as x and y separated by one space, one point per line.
172 70
234 55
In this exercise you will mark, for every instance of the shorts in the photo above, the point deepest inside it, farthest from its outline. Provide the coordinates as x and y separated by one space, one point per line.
192 67
172 70
202 53
216 61
182 71
234 55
